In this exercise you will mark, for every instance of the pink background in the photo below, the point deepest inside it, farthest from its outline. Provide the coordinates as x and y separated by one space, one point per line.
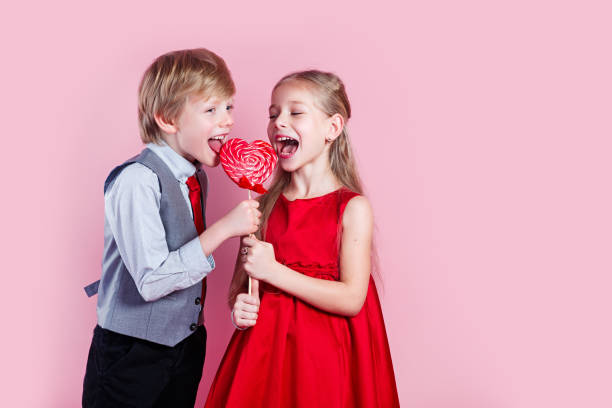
483 134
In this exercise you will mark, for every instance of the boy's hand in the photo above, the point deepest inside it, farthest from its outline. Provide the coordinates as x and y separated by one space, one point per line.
258 258
243 219
246 308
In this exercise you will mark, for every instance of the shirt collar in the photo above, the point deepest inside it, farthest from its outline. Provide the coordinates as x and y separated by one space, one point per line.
180 167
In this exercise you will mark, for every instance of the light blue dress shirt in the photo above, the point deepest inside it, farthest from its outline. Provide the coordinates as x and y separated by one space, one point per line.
131 212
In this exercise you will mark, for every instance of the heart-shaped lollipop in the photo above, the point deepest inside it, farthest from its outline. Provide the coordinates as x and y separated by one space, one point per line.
249 165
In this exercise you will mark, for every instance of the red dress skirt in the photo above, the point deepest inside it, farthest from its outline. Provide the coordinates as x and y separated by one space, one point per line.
297 355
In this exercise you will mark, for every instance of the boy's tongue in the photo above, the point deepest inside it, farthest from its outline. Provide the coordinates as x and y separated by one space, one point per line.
215 145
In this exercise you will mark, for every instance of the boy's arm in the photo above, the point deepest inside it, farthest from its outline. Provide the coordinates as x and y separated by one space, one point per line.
132 215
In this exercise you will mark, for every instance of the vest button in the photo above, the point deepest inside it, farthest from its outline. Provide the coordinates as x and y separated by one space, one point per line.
197 301
192 327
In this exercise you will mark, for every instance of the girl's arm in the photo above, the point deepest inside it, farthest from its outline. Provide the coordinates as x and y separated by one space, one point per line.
244 307
238 283
344 297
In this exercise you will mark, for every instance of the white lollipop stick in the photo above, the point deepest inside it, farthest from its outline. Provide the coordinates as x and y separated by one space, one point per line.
252 236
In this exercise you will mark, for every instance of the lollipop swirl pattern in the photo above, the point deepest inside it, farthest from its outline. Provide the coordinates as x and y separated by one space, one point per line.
248 165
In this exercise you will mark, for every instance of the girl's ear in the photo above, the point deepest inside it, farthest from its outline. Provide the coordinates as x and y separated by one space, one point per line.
336 125
165 125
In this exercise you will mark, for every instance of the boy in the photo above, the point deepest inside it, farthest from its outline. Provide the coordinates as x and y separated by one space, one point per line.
149 345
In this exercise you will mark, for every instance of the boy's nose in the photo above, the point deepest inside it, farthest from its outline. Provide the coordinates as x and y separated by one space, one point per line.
227 121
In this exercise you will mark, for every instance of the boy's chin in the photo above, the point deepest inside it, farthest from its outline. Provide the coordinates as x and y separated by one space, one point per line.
211 161
208 159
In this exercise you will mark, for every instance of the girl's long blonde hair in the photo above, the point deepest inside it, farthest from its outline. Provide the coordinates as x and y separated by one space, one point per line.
332 99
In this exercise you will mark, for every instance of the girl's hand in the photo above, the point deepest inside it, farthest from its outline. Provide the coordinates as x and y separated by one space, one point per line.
246 308
258 261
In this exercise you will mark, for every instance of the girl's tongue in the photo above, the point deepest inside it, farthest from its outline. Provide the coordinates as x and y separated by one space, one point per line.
215 145
288 147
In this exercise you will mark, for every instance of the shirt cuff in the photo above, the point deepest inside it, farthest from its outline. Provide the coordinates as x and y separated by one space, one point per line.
211 261
192 255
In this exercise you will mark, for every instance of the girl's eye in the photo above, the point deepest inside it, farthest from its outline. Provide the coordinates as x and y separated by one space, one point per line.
229 107
212 110
296 113
273 116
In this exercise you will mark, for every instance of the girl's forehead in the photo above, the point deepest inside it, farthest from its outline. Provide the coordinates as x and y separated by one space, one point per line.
293 91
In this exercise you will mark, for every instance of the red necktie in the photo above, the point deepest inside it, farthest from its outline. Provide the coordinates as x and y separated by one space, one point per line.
195 197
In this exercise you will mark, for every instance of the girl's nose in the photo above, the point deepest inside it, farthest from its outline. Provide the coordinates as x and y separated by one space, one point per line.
280 122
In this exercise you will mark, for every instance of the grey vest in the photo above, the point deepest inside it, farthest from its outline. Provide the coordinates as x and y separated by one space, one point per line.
174 317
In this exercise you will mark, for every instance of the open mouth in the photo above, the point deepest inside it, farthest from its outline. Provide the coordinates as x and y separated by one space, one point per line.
216 142
286 146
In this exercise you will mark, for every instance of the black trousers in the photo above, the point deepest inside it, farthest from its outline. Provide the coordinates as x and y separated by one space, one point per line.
124 371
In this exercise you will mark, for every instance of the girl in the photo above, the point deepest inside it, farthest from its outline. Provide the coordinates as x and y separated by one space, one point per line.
317 339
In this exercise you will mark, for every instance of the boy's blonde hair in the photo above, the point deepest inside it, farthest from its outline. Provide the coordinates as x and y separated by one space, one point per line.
171 79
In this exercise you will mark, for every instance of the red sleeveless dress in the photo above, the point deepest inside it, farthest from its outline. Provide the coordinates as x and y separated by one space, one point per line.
297 355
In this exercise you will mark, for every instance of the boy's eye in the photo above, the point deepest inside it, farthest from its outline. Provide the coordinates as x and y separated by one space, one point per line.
296 113
272 116
229 107
211 110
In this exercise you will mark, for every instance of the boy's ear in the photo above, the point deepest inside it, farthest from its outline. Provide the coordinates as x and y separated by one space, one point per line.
336 124
165 125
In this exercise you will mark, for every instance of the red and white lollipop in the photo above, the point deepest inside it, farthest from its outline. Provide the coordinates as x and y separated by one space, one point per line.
248 165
